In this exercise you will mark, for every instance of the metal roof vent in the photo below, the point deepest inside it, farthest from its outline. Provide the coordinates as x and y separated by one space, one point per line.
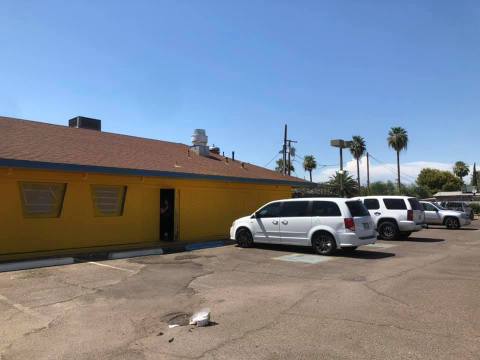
199 142
82 122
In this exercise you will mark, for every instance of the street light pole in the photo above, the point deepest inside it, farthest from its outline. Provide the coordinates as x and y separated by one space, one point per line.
341 144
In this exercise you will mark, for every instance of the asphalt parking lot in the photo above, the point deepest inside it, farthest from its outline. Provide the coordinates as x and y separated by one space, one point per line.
415 299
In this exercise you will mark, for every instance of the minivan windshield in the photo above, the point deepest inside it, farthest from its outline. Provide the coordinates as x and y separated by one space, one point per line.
357 208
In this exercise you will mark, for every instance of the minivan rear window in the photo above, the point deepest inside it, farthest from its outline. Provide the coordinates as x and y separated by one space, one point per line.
395 204
415 204
357 208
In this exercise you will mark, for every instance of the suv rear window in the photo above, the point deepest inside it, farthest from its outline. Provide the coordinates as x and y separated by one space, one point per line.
294 209
357 208
395 204
325 208
415 204
371 204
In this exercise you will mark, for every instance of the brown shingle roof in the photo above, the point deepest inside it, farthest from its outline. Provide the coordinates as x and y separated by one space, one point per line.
39 145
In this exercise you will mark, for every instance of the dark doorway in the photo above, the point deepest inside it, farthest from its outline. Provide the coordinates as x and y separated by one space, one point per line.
167 214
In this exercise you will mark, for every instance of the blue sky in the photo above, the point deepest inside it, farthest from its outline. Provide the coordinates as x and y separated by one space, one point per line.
242 69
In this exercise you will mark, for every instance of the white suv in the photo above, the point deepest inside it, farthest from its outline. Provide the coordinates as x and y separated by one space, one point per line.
395 217
326 224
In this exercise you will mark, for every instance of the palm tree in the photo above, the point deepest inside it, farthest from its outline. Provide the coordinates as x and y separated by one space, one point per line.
398 141
349 184
309 164
461 169
358 149
280 166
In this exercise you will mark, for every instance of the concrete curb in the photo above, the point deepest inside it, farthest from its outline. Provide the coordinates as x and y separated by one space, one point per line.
134 253
33 264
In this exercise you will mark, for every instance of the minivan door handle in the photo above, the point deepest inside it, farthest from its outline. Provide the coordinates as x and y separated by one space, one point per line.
284 222
377 213
275 222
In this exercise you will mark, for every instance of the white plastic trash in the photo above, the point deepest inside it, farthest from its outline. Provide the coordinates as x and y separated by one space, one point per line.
201 318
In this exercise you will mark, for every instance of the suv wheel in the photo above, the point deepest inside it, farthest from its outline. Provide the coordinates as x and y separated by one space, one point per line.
244 238
452 223
388 230
323 243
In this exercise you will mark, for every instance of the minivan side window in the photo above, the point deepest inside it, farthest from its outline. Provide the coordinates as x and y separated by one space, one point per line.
395 204
294 209
325 208
371 204
271 210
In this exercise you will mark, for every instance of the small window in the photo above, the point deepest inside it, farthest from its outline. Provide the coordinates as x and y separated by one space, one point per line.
42 200
294 209
428 207
108 200
371 204
415 204
357 208
271 210
325 208
395 204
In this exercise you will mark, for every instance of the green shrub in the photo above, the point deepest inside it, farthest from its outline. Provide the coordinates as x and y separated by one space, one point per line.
475 207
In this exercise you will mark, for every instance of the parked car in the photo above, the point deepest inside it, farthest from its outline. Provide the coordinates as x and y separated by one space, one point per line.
458 206
437 215
326 224
395 217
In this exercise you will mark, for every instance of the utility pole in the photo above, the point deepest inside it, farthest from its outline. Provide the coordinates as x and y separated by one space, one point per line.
289 168
368 172
285 151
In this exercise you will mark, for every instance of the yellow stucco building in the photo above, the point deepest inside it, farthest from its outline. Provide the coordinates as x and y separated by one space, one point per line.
71 189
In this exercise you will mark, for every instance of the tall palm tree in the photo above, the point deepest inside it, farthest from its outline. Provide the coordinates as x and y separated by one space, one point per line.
398 140
358 149
309 164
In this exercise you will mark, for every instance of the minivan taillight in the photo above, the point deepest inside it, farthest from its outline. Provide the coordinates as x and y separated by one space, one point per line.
349 224
410 215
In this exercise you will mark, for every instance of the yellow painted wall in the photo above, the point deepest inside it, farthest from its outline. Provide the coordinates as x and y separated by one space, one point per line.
204 211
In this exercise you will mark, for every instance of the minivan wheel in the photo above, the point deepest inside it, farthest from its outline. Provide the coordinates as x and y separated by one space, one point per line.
452 223
388 230
244 238
323 243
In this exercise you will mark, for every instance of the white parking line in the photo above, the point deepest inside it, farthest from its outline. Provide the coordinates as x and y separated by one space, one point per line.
111 266
381 245
304 258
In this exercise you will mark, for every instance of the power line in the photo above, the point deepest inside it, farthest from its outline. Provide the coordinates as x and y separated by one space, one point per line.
394 171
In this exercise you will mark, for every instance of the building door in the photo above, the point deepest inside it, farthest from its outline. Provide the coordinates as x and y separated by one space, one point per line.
167 214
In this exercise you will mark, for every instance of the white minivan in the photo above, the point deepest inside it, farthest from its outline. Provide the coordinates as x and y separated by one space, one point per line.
326 224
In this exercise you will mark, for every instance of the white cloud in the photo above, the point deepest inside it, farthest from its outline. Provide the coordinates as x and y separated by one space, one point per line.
382 172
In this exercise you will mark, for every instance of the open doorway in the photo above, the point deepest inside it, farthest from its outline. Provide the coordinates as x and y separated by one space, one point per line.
167 214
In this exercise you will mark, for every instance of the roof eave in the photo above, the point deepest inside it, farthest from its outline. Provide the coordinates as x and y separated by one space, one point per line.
40 165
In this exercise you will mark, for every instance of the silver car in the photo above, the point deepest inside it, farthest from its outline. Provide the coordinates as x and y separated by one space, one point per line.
437 215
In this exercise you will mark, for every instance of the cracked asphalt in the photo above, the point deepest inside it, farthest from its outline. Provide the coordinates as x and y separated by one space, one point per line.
415 299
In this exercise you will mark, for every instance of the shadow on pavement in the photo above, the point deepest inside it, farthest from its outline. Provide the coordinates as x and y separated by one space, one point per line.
356 254
425 240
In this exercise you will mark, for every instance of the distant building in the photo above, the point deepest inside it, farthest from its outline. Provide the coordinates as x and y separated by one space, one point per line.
67 189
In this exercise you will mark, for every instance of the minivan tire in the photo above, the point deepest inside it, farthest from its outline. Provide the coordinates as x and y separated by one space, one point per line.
323 243
388 230
452 222
244 238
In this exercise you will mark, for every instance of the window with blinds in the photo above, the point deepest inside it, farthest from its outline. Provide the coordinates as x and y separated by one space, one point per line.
108 200
42 200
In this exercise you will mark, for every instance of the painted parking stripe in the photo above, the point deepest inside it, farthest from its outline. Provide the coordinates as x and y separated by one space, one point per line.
111 266
380 246
304 258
